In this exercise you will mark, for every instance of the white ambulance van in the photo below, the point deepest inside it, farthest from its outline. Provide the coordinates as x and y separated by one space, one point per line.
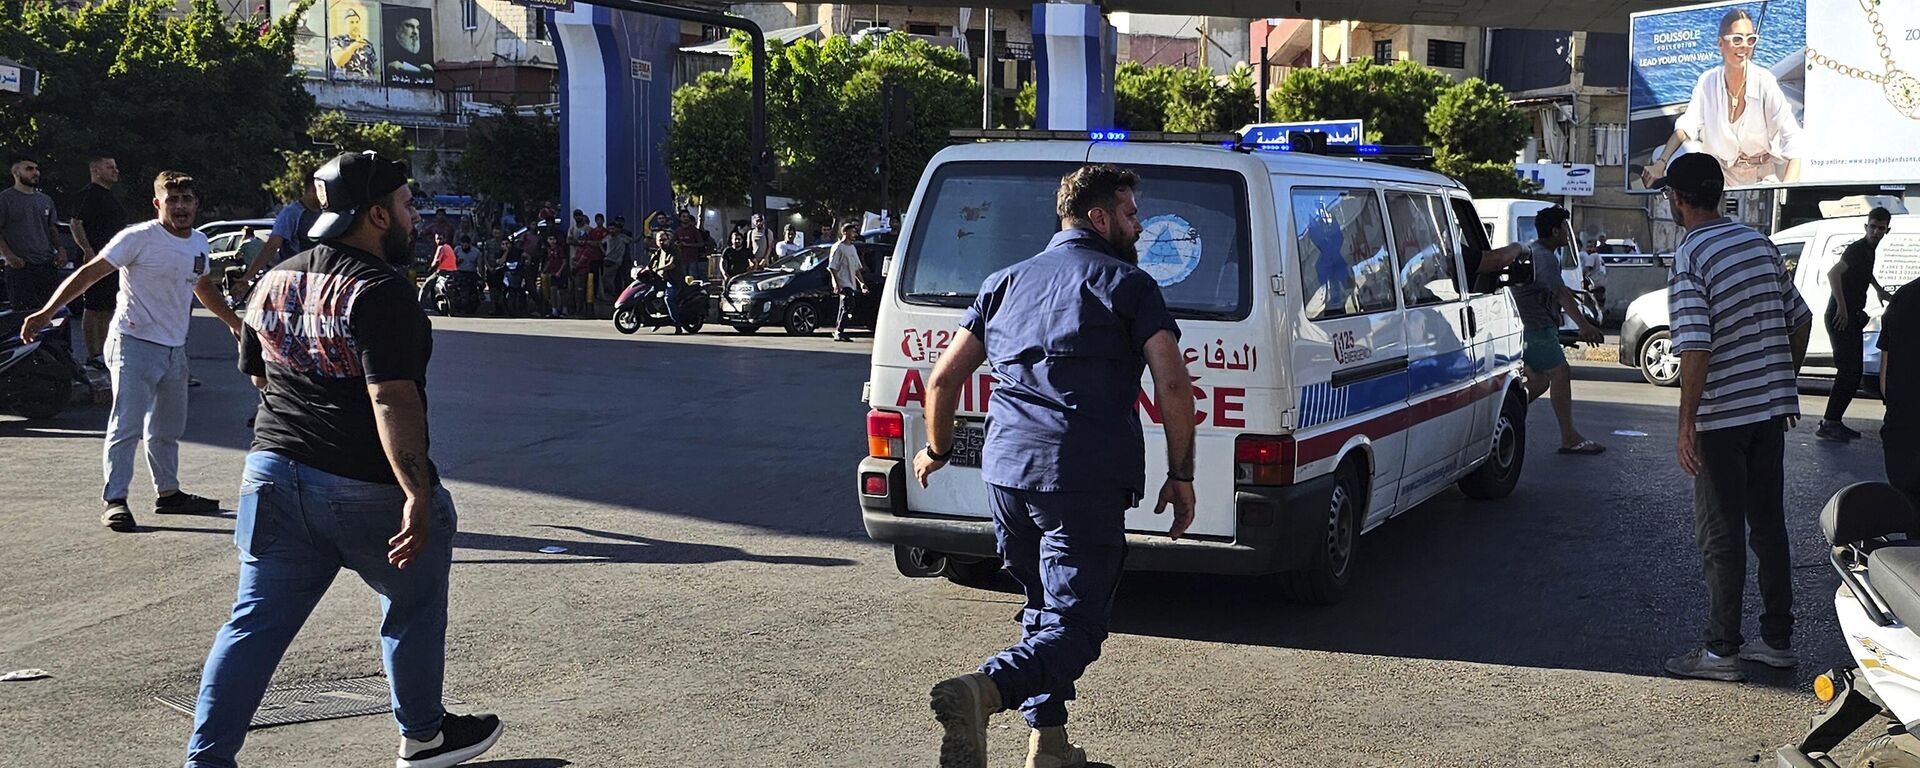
1342 371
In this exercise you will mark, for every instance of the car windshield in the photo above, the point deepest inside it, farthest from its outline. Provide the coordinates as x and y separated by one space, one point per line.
802 260
980 217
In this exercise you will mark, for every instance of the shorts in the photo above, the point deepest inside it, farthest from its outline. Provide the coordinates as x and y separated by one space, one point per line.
104 295
1543 352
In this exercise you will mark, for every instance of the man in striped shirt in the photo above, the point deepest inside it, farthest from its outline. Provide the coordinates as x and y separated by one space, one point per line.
1741 330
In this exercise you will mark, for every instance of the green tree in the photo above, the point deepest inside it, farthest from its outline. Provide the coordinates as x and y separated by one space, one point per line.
334 130
1474 120
707 153
508 160
1199 102
158 89
1393 100
1024 105
1141 95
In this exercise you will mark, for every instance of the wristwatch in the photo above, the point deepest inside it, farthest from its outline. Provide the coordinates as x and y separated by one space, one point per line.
931 454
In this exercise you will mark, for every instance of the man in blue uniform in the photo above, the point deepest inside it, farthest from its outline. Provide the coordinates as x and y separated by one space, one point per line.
1067 333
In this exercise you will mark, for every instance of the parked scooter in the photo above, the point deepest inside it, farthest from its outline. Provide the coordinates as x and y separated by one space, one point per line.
36 380
1879 584
645 302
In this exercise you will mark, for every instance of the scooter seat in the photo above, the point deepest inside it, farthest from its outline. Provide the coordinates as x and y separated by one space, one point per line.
1894 573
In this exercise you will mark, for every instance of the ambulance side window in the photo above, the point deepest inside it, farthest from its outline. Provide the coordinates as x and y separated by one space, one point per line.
1423 248
1478 239
1345 267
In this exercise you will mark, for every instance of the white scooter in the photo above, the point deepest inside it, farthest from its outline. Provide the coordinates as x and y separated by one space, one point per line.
1872 530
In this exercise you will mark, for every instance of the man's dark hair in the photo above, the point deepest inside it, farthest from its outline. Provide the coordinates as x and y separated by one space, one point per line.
1090 187
1549 220
1698 199
466 239
97 158
850 227
18 159
1880 214
172 181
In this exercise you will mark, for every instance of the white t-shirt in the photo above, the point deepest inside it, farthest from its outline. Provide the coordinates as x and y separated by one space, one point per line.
845 263
157 273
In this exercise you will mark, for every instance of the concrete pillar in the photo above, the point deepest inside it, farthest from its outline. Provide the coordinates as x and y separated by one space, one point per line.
1074 57
616 99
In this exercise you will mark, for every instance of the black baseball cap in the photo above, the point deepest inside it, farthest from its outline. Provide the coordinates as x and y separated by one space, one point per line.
349 183
1693 172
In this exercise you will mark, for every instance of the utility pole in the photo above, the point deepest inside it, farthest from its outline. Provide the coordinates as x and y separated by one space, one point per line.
986 73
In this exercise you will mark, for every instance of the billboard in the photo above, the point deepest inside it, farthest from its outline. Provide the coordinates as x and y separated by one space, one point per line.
351 53
1558 179
407 46
1779 91
309 38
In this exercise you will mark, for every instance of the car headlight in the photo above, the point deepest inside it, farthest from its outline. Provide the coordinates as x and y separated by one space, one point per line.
772 283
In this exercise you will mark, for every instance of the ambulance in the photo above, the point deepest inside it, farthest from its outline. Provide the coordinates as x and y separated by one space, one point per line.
1343 371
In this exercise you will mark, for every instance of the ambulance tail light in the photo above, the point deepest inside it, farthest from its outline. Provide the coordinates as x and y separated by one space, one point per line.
886 435
1262 460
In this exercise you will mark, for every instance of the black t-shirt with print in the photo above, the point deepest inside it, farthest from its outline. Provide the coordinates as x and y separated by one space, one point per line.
324 325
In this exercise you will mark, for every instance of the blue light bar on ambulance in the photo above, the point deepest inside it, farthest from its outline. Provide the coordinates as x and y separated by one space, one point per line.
1110 135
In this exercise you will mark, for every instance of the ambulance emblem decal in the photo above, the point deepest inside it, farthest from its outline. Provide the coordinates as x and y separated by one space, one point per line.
1169 248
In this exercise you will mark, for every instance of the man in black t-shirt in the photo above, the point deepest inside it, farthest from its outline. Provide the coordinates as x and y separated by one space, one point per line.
1847 322
1900 390
339 349
97 217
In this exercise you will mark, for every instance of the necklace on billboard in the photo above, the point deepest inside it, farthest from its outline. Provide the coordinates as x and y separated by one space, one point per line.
1902 89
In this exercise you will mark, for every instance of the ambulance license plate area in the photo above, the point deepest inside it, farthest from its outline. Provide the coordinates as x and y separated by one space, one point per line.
969 435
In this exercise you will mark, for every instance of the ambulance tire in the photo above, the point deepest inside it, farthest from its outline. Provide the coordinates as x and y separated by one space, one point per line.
1324 581
918 563
977 573
1496 478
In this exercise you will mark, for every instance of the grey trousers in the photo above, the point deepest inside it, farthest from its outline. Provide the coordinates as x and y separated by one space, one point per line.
150 401
1738 502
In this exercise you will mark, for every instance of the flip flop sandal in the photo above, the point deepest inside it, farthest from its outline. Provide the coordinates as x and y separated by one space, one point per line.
118 519
1586 448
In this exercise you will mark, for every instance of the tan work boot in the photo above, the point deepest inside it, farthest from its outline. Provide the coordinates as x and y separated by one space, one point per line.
1049 748
962 705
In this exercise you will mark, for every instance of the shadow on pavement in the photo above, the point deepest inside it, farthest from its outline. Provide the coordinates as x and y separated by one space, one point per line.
144 528
634 549
1590 564
537 762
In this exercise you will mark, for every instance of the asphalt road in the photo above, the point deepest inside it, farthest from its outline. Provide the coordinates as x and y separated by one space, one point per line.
719 604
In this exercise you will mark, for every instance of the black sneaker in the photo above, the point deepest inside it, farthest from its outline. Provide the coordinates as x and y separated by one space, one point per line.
461 738
1832 432
1850 432
117 517
96 363
183 503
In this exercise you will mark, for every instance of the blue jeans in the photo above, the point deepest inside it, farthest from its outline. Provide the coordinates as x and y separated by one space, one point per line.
1066 549
297 527
670 293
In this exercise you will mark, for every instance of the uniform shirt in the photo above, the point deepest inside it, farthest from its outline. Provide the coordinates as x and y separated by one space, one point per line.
1900 335
1065 334
158 272
1730 296
25 220
1539 299
101 214
323 325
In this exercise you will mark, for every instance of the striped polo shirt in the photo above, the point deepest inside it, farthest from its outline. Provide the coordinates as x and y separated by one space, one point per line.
1730 296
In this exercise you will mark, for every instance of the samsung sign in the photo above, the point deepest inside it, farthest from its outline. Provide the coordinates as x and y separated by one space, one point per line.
1557 179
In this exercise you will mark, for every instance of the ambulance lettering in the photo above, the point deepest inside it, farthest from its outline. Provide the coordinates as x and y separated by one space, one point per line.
1228 404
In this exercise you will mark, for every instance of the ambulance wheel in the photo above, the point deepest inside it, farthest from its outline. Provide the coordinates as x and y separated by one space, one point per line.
1894 750
977 573
1496 478
1324 581
918 563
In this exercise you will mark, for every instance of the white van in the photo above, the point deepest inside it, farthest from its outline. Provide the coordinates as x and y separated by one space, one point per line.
1510 220
1810 251
1342 373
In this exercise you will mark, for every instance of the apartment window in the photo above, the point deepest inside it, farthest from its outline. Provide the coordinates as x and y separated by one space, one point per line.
1383 51
470 14
536 24
1446 53
924 30
1610 144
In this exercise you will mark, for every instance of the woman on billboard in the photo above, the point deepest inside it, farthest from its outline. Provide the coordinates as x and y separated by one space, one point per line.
1738 114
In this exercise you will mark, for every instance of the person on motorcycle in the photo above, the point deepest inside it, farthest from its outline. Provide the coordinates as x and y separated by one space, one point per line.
669 274
443 263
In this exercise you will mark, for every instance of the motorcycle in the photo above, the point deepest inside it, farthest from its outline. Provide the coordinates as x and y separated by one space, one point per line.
644 301
456 293
36 381
1879 583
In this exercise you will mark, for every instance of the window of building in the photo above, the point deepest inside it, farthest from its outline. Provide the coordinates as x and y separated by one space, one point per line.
1610 143
536 24
1446 53
470 14
1344 263
1383 51
928 30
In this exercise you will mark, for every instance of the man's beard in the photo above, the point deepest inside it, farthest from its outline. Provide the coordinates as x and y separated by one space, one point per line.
1128 252
396 246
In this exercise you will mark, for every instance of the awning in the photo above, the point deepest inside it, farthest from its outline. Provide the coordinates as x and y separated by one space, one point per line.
724 47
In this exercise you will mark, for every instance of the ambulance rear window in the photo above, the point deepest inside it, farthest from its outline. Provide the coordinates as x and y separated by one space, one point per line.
981 217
